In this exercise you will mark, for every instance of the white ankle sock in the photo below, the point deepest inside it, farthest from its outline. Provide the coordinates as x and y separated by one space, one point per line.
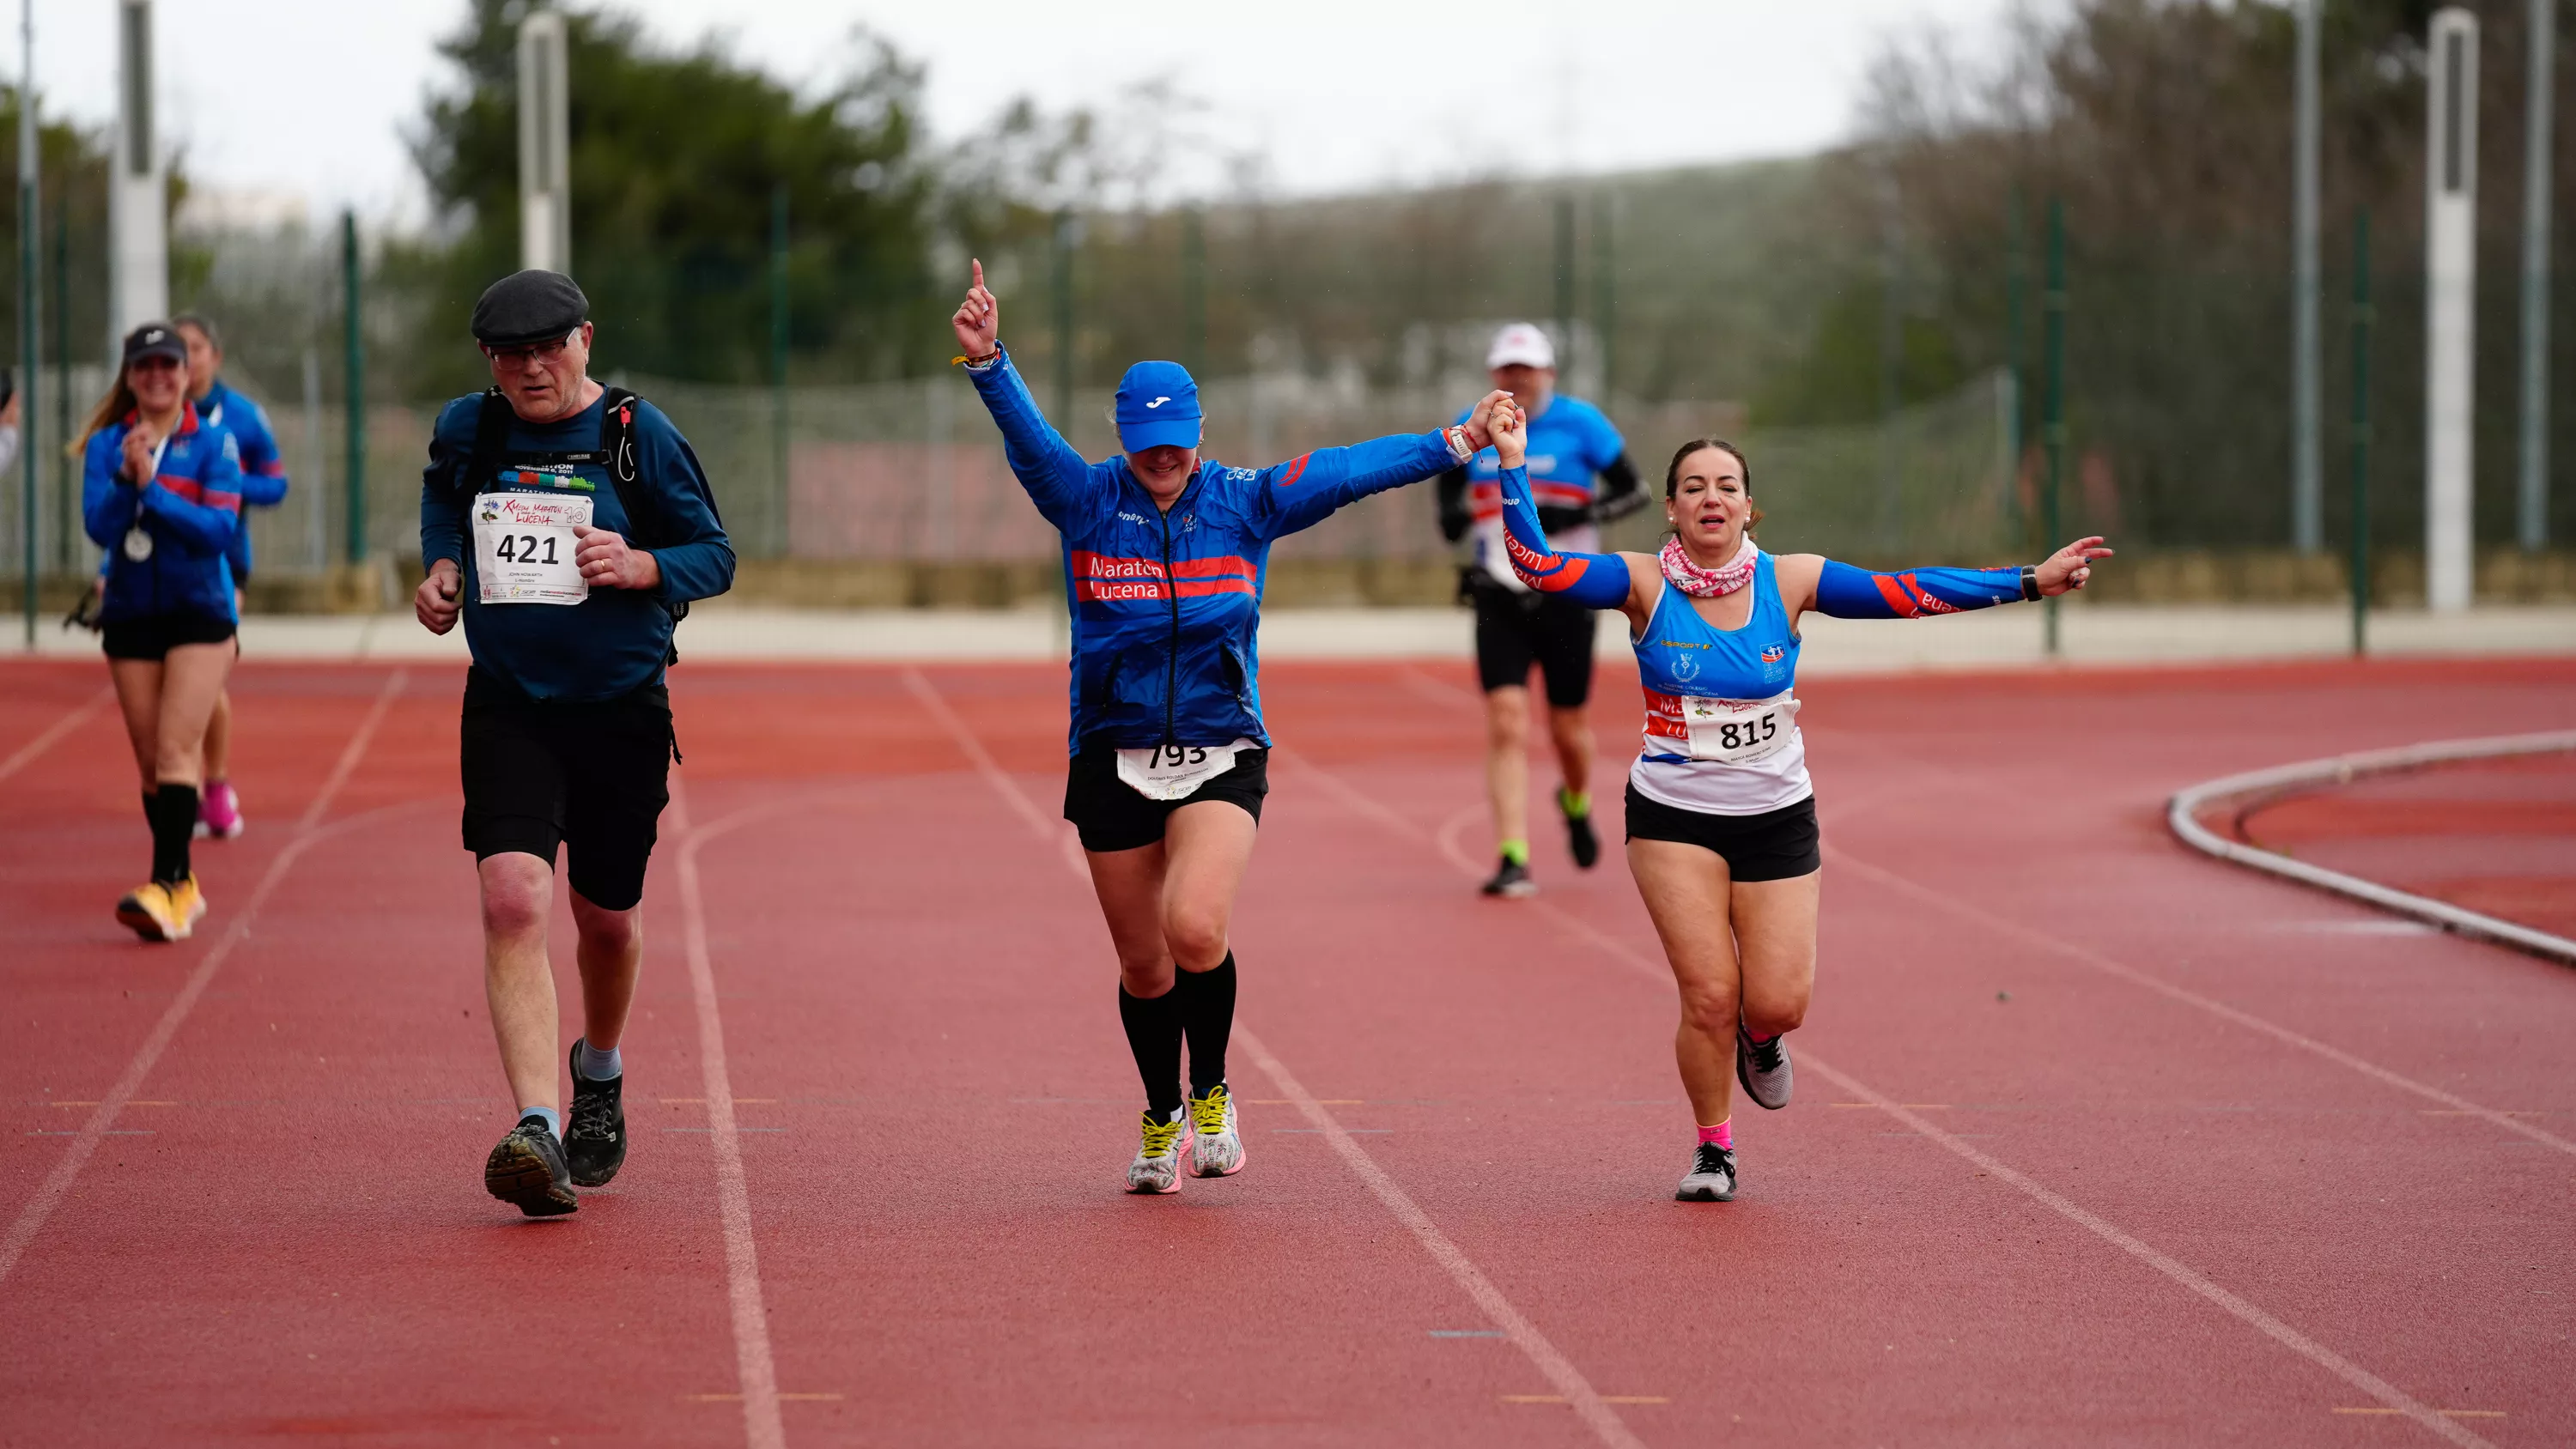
592 1064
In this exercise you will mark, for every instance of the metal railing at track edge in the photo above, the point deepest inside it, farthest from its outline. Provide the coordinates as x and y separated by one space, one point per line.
2257 787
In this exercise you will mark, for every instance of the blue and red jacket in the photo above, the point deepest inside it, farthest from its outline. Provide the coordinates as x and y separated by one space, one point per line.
1166 603
191 509
263 482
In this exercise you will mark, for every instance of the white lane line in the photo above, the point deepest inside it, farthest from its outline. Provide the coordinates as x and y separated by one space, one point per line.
2083 955
1596 1413
27 753
754 1368
1661 974
57 1183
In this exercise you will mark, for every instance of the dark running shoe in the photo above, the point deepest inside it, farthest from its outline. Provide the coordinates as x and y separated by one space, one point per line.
527 1168
1511 879
595 1130
1763 1068
1579 839
1711 1178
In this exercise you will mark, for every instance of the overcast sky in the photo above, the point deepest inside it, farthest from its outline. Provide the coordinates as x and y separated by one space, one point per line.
311 97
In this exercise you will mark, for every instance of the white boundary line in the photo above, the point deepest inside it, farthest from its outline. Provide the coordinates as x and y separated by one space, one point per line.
2183 810
58 1183
1588 1405
2180 1272
26 754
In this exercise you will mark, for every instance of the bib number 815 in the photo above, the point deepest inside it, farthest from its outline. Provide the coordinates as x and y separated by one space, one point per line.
1735 734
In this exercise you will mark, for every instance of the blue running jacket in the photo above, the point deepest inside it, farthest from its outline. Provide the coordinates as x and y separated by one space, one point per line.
188 512
1166 604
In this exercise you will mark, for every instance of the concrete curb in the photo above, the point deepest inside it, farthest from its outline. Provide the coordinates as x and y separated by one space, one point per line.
2183 810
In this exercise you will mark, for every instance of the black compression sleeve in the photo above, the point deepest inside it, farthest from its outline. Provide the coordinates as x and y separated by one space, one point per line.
1621 492
1454 516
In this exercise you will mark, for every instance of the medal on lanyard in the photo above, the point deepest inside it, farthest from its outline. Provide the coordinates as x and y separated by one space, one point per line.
138 542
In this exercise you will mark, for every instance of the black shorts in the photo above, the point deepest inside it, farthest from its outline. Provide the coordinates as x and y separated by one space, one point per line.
1513 631
590 777
154 635
1109 815
1777 844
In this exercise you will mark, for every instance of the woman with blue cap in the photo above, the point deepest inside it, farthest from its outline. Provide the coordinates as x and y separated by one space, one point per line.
1165 554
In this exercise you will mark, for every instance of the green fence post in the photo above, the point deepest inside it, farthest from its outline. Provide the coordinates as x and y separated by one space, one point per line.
1605 287
2016 421
1193 291
66 487
2363 317
2053 414
354 364
1565 276
31 350
778 367
1063 278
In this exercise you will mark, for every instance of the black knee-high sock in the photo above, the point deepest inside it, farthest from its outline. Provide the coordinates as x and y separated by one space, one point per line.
1154 1034
172 809
1207 1016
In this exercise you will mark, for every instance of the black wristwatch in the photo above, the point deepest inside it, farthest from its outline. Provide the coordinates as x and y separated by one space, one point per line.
2029 583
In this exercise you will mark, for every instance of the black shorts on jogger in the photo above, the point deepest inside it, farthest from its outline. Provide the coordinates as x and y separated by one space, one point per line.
1513 631
592 778
1780 844
1109 815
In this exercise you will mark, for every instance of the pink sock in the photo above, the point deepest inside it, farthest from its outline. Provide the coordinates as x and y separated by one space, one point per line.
1723 1134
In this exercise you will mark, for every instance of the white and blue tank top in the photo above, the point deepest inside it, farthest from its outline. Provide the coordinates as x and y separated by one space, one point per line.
1721 709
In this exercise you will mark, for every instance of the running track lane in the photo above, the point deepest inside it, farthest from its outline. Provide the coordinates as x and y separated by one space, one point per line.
942 1263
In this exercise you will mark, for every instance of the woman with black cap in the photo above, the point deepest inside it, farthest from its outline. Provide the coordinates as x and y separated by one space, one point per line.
1165 554
162 494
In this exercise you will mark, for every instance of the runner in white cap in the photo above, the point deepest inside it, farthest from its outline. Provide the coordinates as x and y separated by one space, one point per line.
1581 477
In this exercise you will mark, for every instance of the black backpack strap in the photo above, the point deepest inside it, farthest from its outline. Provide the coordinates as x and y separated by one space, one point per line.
617 443
491 440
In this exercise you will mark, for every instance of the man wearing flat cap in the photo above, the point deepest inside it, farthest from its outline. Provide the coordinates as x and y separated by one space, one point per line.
569 525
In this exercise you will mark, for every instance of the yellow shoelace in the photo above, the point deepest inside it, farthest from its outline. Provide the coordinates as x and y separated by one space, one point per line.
1159 1135
1209 1111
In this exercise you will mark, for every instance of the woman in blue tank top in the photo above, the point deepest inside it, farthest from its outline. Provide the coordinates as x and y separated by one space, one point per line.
1721 817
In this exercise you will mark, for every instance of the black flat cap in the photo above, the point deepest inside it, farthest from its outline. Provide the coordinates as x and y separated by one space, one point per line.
529 306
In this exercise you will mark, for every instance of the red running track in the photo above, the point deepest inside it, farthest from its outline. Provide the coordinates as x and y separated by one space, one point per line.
2097 1140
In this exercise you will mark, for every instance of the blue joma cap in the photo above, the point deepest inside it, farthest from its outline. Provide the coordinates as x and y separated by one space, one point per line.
1158 406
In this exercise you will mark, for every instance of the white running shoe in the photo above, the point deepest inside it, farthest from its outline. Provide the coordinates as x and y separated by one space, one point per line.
1711 1178
1216 1148
1157 1167
1763 1068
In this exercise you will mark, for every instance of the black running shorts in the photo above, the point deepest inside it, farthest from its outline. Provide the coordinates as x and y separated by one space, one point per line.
1109 815
1514 631
592 778
153 636
1777 844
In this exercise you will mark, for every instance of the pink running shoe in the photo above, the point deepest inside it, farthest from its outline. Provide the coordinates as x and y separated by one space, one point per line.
219 811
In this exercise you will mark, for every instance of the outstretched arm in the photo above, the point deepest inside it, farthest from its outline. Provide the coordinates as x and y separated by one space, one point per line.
1304 491
1845 592
1046 465
1594 580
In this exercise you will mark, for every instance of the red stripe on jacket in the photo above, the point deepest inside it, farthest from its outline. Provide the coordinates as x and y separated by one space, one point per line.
198 493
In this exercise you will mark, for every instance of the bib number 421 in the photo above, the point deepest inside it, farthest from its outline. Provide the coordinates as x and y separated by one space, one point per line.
527 548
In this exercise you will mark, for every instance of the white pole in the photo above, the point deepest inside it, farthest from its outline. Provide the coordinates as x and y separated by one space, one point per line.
545 134
138 186
2307 458
2450 320
2537 176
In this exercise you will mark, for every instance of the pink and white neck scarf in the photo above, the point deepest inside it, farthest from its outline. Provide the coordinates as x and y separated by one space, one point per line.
1702 583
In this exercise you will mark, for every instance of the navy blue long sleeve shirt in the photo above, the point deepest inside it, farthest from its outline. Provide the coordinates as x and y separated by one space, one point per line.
615 641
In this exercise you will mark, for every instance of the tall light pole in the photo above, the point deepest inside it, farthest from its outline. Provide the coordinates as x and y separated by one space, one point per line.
2533 513
28 332
545 138
138 198
2450 316
2307 457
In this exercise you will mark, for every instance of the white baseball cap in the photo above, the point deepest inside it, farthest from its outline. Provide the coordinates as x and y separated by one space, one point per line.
1522 344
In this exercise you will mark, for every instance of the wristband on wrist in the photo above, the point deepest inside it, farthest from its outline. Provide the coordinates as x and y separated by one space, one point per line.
1457 439
2029 583
987 360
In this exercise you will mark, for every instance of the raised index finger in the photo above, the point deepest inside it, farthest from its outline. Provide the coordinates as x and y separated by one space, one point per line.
979 273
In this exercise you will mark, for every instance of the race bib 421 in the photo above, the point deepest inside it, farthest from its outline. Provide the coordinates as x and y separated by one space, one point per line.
523 548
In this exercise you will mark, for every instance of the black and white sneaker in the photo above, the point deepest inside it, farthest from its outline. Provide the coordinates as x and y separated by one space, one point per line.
1763 1068
1580 842
1711 1178
595 1130
1511 881
527 1169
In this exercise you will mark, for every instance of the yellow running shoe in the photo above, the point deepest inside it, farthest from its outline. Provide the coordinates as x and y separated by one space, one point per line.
1216 1148
189 903
149 911
1157 1167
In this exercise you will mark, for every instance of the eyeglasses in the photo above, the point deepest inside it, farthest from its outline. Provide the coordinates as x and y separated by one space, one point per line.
544 353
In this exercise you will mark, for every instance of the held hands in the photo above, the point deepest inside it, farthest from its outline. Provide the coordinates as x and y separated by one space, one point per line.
435 602
607 563
978 320
1480 421
2070 567
1510 429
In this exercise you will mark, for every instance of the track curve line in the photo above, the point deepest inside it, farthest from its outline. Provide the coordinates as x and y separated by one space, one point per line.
2182 816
